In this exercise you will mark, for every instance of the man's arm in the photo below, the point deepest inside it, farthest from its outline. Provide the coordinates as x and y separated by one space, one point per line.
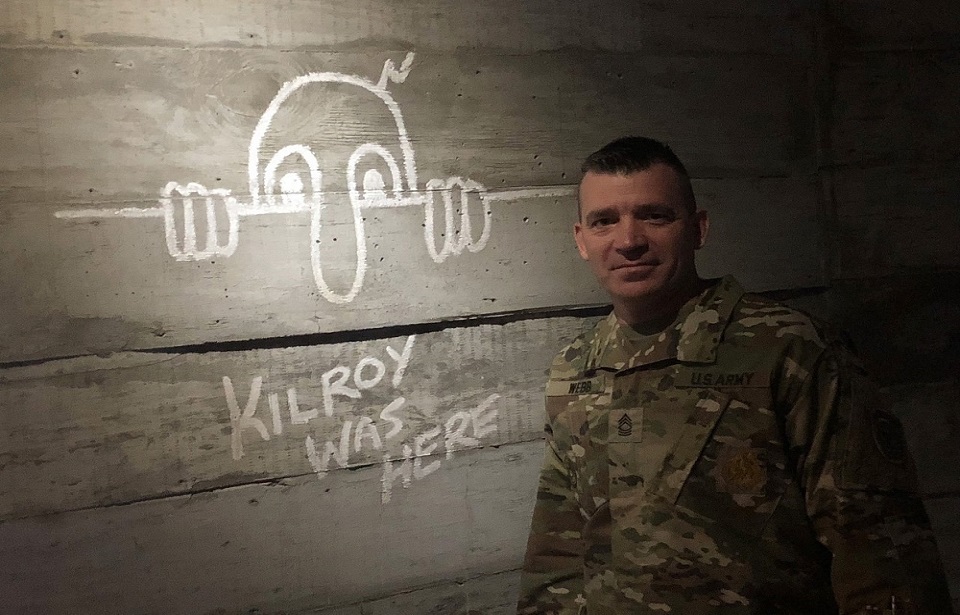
552 579
860 486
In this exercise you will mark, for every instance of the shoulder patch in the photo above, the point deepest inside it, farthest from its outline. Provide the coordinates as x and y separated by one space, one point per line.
889 438
875 454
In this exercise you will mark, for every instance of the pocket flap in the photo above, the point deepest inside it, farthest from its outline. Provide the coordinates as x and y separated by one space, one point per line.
694 436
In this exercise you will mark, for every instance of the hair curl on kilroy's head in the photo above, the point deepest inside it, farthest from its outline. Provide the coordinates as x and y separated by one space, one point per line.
628 155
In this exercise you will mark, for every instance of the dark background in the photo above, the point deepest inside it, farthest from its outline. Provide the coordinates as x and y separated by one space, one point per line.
822 137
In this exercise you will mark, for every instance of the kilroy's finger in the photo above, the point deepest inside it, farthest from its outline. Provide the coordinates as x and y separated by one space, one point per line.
457 217
199 223
475 213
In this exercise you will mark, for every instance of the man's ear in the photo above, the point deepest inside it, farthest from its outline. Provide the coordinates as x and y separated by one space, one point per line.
578 237
703 227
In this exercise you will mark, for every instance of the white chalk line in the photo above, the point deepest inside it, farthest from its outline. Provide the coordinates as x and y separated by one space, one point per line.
507 195
123 212
517 194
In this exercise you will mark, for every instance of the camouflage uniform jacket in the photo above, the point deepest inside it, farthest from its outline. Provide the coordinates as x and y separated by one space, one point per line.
738 462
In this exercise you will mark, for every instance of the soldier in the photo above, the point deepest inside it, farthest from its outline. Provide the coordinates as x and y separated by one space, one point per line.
709 450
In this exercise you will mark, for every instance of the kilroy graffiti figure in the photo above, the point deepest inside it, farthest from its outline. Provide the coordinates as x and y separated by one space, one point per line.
291 192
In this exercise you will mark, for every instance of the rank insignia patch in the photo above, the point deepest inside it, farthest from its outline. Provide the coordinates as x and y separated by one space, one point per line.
624 426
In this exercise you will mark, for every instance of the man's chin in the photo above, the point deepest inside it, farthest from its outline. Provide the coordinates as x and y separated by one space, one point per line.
635 289
639 276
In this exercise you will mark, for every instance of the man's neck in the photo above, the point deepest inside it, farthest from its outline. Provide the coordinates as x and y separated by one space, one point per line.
649 317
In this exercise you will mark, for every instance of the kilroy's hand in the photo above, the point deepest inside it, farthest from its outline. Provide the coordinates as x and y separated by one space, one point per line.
199 223
456 195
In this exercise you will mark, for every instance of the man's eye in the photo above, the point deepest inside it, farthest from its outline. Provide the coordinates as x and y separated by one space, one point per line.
598 222
658 217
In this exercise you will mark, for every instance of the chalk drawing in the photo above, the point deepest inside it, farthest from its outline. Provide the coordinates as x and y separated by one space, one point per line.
291 194
408 455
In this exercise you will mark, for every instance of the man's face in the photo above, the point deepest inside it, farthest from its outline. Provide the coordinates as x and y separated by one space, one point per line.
639 235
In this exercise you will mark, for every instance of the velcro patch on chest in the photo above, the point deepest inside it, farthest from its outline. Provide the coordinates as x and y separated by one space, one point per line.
585 386
708 378
739 470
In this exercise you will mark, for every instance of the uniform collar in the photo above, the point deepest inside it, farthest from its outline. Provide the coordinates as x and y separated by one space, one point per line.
693 337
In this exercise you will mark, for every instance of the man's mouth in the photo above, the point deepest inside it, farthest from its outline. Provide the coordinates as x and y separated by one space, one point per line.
639 265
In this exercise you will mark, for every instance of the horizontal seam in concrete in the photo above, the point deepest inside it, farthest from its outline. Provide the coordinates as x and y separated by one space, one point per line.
139 201
897 273
413 590
788 294
275 481
339 337
386 332
735 176
941 495
852 50
881 163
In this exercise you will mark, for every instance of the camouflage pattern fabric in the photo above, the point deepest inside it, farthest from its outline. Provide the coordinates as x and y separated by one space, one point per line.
738 462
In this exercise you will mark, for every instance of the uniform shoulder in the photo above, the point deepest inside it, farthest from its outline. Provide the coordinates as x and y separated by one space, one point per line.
574 358
768 319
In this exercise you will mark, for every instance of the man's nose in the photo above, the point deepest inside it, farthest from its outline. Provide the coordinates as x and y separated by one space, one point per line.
630 235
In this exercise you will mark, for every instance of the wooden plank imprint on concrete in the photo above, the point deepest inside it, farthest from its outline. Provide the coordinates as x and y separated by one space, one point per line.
298 545
107 285
732 26
172 197
117 125
896 219
932 24
91 432
897 108
488 594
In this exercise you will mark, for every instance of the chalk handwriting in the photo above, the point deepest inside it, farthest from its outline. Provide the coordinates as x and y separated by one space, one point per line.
290 193
333 383
406 455
479 422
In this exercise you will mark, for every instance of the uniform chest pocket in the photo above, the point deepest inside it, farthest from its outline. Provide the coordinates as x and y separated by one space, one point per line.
728 464
574 407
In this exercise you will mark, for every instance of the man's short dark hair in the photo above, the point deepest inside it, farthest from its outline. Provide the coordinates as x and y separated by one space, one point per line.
631 154
628 155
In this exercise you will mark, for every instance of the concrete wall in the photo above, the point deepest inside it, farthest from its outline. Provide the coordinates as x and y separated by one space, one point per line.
320 392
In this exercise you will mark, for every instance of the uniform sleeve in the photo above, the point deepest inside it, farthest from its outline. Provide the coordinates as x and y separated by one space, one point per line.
551 582
861 493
